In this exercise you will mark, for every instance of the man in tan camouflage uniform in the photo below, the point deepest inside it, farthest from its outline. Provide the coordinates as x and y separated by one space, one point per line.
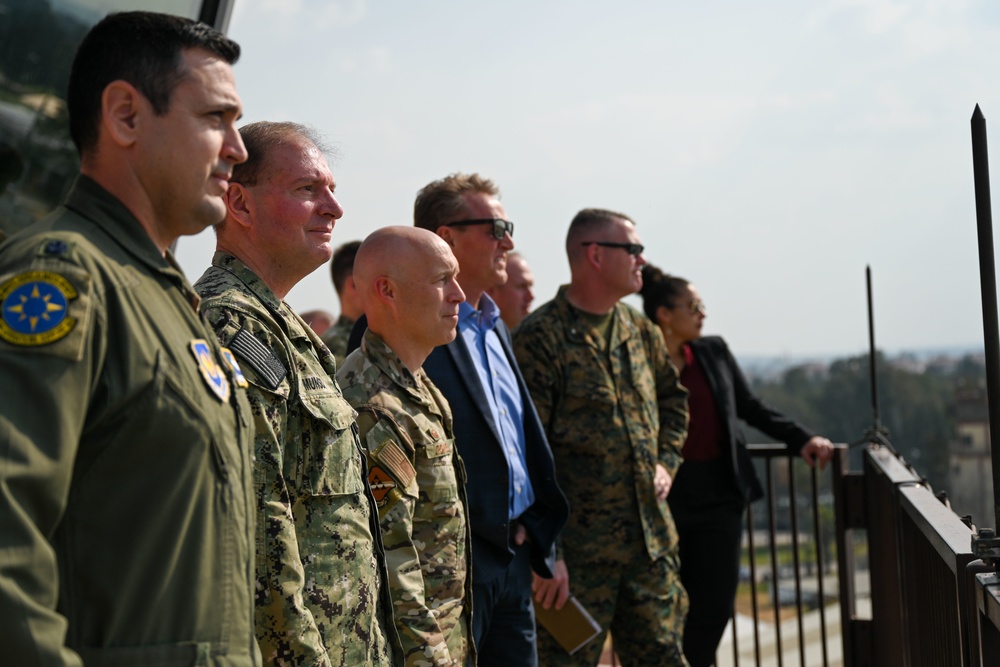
342 272
322 595
406 278
616 418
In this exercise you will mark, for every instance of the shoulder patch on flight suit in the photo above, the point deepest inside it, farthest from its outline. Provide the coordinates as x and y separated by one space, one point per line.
211 372
261 359
36 309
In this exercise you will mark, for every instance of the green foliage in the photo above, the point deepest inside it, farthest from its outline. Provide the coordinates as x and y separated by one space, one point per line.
914 405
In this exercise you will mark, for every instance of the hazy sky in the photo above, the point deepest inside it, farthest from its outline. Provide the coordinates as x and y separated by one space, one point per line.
767 151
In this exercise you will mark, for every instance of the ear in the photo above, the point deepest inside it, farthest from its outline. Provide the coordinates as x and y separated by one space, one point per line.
592 255
663 315
385 291
446 233
240 204
121 105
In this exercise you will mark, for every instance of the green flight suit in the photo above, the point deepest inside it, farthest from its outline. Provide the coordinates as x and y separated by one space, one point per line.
126 502
418 480
612 410
322 595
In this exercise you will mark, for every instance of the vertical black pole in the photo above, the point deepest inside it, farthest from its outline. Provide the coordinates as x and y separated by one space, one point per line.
872 364
988 284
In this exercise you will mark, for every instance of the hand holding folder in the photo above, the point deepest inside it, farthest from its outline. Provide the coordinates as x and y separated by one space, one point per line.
572 626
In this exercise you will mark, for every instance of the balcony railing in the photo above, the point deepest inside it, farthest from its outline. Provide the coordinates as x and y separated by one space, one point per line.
903 589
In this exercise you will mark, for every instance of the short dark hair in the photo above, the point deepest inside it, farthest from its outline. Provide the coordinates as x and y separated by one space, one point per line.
262 137
443 201
660 289
342 265
587 222
143 48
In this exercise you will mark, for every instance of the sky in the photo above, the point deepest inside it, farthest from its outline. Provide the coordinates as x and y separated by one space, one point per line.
768 152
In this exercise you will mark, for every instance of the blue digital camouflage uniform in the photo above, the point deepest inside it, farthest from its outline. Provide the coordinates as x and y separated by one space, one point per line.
126 498
610 417
419 483
336 337
322 597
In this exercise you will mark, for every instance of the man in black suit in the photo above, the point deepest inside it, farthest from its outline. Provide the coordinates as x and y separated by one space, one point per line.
516 509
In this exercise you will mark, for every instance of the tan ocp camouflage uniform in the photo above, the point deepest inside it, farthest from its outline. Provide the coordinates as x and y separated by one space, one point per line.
336 337
418 481
322 596
611 413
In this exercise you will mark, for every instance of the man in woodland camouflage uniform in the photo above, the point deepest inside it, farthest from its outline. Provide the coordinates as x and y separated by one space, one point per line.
616 418
322 595
406 279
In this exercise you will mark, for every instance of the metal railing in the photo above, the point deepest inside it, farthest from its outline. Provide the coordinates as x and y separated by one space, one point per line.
931 602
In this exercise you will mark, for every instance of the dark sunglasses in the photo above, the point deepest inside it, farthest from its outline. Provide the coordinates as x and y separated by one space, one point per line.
633 249
500 226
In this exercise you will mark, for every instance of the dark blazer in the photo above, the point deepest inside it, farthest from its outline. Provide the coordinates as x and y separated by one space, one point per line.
451 369
736 401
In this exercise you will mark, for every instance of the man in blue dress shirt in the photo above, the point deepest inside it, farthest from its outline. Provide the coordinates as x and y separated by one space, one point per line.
515 506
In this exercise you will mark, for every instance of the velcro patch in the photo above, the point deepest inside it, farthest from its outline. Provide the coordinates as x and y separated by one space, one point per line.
391 455
39 308
230 358
259 357
381 484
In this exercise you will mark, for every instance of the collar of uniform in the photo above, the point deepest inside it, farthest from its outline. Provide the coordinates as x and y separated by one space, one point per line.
381 355
581 331
88 198
233 265
485 318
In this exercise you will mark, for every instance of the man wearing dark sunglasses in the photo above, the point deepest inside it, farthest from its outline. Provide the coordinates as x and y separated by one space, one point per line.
604 386
515 506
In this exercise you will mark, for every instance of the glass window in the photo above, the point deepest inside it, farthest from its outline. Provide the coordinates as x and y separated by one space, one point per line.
38 39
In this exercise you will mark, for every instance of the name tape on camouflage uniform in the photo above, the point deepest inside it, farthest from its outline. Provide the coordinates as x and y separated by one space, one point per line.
34 308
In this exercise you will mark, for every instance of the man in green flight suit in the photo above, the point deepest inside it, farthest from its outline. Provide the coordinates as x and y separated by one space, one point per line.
126 504
616 417
406 278
322 596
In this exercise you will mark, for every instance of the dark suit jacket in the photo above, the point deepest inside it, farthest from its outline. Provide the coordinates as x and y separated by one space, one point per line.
736 401
451 369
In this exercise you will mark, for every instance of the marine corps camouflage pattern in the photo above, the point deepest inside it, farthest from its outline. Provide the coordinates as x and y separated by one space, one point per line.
610 417
418 481
336 337
126 497
321 593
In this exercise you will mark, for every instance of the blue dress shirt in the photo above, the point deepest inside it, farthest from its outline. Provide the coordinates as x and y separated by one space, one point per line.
500 385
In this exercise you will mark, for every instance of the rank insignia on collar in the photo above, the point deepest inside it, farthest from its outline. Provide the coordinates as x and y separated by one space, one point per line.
230 359
210 371
34 308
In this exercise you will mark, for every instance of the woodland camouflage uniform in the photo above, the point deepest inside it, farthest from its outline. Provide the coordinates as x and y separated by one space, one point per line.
612 410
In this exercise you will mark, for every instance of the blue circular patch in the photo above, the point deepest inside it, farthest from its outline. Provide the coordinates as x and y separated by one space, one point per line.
35 307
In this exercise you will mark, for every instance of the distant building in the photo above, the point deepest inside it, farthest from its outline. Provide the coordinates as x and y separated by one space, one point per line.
970 478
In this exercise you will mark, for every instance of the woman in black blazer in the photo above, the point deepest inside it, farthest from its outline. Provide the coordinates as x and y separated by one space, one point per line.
717 481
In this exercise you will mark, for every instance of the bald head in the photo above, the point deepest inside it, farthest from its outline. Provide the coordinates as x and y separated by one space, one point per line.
406 277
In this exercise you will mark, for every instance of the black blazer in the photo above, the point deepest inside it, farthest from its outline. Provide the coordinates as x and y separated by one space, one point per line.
451 369
736 401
